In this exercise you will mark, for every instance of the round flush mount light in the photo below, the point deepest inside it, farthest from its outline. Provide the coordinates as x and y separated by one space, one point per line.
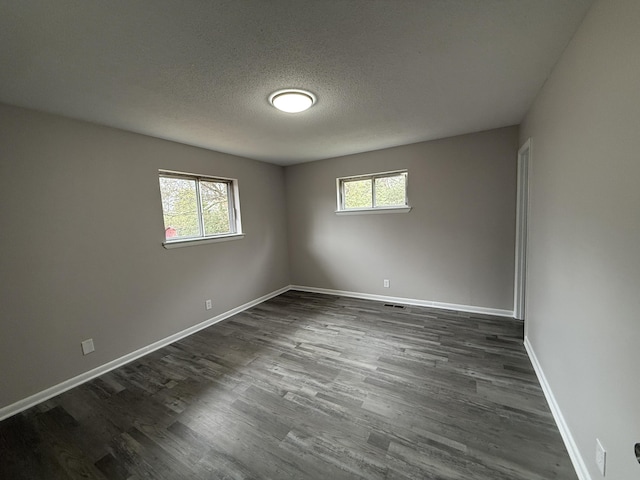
292 100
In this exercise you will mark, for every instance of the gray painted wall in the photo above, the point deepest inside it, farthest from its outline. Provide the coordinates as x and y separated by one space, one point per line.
455 246
81 256
583 304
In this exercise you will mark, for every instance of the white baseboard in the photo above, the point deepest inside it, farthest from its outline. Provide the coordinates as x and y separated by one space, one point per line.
576 458
50 392
407 301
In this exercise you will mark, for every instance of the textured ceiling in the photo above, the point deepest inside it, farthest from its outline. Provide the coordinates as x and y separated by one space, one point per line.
385 73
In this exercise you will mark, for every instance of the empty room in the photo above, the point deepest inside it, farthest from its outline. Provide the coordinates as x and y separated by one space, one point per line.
298 239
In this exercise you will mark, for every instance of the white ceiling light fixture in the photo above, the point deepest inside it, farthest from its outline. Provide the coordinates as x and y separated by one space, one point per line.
292 100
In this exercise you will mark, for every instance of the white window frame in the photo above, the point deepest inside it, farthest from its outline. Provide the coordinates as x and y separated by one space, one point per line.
342 210
235 220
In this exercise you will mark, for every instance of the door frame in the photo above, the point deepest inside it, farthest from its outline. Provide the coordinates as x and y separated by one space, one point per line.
522 221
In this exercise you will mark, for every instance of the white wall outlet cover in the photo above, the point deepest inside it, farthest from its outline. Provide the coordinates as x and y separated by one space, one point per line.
386 283
87 346
601 457
208 304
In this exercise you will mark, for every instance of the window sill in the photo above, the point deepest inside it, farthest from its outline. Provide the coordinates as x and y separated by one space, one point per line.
364 211
201 241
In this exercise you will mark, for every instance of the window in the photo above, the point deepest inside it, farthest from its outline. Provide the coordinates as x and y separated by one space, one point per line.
195 207
375 192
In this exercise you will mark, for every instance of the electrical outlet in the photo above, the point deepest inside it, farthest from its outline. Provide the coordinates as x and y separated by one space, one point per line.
87 346
208 304
601 457
385 283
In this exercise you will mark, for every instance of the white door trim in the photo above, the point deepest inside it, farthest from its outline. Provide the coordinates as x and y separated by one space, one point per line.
522 214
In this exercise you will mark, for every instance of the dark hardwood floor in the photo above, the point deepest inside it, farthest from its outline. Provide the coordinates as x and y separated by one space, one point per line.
306 386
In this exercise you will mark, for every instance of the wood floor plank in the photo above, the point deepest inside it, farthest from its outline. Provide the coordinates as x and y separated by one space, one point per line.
306 386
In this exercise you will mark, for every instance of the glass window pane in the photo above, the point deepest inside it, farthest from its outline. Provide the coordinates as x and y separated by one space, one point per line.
390 191
357 193
180 208
215 207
